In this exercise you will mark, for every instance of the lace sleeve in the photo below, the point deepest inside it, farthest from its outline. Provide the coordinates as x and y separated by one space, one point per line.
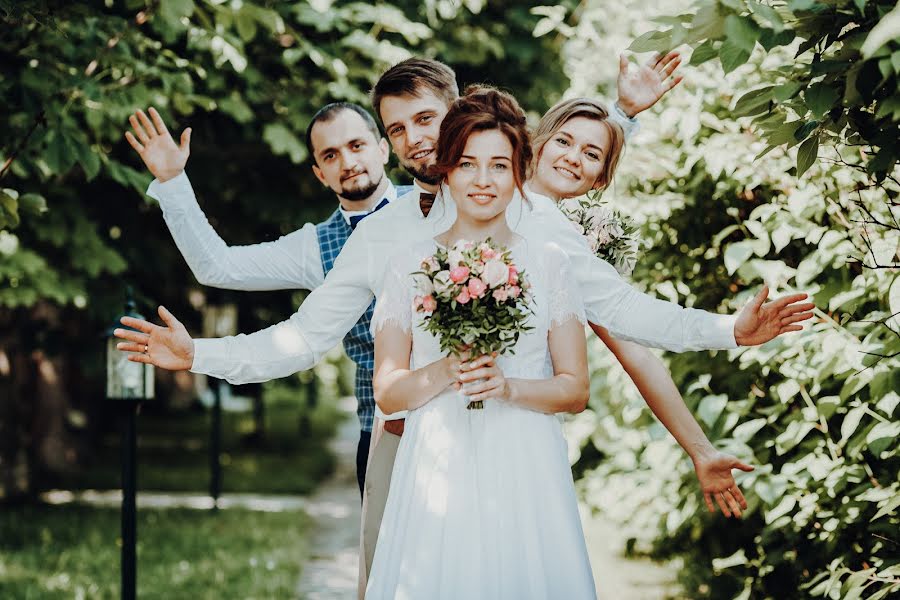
394 303
565 297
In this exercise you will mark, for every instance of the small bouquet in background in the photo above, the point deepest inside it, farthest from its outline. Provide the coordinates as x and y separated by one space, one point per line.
474 299
611 235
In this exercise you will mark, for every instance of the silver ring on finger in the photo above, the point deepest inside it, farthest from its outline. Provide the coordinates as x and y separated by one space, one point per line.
146 349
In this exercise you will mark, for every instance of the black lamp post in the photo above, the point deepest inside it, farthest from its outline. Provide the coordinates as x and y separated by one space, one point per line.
128 383
219 320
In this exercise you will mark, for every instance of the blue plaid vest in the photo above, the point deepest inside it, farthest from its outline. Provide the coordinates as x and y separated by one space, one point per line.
358 343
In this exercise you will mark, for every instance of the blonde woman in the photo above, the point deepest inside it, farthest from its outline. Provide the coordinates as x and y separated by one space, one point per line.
576 149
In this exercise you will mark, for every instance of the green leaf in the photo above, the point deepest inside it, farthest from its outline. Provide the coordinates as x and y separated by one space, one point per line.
820 98
732 56
652 41
175 10
768 15
882 436
784 134
745 431
851 422
60 154
796 5
769 38
704 52
711 407
741 32
33 204
787 90
707 25
887 29
753 102
889 507
246 24
90 161
9 209
235 106
792 435
283 141
807 154
737 254
805 130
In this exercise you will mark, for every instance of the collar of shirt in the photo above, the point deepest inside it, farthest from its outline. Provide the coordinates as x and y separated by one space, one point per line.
390 194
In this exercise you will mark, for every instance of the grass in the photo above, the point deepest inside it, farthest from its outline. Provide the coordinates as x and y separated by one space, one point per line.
173 450
72 551
52 552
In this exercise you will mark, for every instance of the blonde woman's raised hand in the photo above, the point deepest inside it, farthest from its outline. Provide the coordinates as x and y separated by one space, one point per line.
642 87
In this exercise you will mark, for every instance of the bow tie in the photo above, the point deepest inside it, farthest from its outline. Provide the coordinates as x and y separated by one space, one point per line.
426 200
355 219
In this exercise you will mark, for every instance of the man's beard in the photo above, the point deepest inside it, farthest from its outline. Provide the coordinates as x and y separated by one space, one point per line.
425 174
361 193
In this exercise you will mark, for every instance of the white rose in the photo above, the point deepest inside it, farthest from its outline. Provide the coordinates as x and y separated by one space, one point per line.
442 283
599 214
578 228
423 284
495 273
455 258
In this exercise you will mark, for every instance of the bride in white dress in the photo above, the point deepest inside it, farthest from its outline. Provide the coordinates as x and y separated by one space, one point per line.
482 503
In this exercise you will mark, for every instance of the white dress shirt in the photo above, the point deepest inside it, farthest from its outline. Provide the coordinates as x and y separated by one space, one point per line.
292 261
331 309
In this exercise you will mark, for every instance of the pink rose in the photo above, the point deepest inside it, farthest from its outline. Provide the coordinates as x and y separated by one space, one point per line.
429 304
514 291
459 274
501 295
417 303
463 297
487 253
476 288
513 275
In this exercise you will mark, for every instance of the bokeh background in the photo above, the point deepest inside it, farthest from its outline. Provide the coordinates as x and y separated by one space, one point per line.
774 161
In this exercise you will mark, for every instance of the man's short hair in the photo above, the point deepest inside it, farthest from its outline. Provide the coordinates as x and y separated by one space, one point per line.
411 76
329 112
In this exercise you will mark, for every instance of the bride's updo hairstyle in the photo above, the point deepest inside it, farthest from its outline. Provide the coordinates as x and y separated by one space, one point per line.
483 108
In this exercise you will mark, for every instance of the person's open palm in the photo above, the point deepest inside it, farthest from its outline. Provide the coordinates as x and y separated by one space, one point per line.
642 87
718 484
153 142
761 321
169 347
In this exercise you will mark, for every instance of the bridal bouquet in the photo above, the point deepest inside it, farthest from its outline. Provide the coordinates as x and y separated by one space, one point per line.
474 299
611 235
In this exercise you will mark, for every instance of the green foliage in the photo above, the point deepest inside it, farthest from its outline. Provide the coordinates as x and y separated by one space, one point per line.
58 552
715 180
75 226
833 76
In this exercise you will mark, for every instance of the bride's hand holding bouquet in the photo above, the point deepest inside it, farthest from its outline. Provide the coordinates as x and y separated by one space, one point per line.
475 300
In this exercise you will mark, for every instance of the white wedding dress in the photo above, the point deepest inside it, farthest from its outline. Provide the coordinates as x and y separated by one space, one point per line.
482 503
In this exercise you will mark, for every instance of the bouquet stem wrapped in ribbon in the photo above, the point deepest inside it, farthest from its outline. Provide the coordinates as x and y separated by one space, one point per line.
474 299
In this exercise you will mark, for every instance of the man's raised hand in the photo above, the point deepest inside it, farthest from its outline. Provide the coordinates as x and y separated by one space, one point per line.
153 142
761 321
